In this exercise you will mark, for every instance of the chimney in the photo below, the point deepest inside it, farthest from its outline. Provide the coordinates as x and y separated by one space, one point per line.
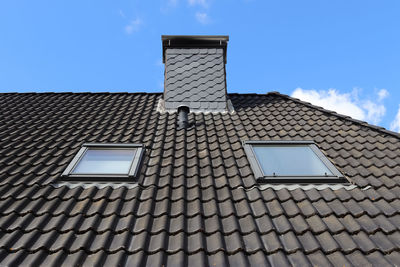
195 72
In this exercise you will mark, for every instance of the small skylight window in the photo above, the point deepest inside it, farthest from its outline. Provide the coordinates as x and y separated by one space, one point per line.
110 162
290 162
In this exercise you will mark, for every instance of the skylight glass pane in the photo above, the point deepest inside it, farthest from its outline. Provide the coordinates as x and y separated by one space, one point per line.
105 161
287 160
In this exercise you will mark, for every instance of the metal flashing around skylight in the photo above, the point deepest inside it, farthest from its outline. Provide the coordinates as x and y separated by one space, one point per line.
320 171
105 162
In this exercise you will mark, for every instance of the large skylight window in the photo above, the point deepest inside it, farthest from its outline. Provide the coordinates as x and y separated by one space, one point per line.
290 162
105 162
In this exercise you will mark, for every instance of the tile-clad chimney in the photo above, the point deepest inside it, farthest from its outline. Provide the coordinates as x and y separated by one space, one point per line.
195 72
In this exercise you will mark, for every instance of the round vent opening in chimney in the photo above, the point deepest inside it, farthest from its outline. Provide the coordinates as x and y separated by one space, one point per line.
183 112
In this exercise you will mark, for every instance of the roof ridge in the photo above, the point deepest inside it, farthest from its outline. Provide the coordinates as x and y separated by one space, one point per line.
334 113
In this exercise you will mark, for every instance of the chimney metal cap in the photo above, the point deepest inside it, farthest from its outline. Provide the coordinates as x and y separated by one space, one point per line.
194 41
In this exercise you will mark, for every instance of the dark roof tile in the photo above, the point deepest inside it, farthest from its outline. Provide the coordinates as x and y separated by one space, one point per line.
367 224
291 209
377 259
247 224
338 259
274 208
395 238
369 207
290 242
346 242
333 224
270 242
307 208
318 259
282 225
218 259
264 224
327 242
309 242
393 258
382 242
298 259
357 259
258 259
278 259
388 209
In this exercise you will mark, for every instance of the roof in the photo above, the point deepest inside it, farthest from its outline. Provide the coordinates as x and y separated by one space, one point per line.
196 201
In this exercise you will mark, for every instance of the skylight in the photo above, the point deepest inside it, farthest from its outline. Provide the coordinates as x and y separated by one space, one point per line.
105 162
290 162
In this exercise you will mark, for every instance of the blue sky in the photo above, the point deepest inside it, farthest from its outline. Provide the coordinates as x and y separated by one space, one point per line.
342 55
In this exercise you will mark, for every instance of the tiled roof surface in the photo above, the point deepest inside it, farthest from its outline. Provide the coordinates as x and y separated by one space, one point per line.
197 203
195 77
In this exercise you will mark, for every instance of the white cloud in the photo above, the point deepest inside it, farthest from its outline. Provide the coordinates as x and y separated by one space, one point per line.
202 3
374 111
133 26
346 103
332 100
168 5
203 18
122 14
382 94
395 125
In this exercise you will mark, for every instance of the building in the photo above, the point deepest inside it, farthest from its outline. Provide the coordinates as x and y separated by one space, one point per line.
183 187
